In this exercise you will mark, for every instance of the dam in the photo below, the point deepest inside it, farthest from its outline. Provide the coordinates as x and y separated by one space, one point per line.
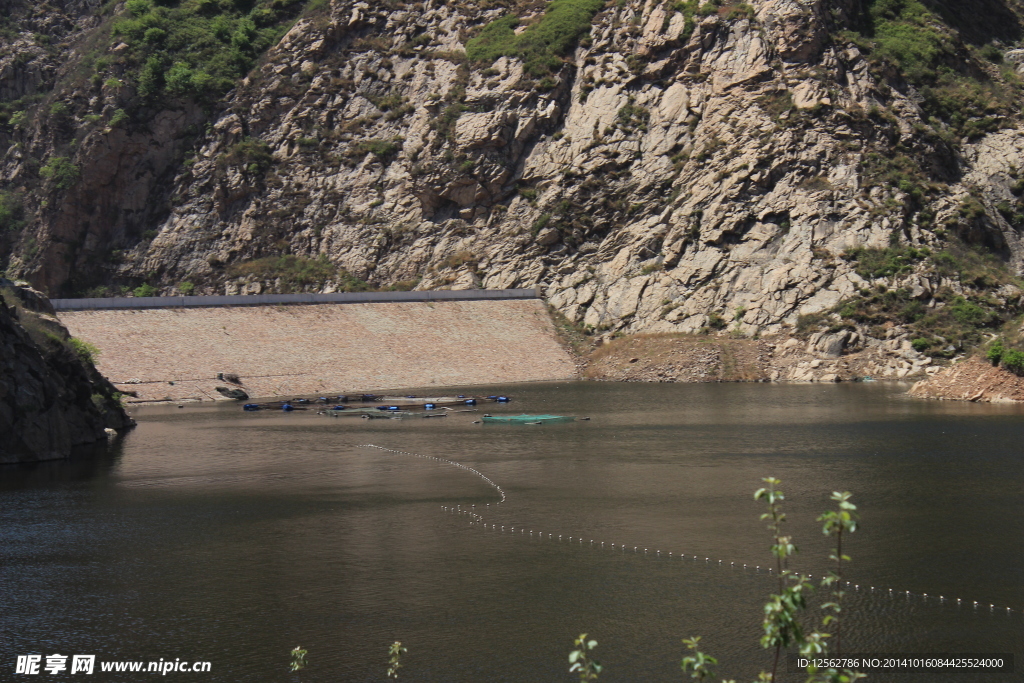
174 348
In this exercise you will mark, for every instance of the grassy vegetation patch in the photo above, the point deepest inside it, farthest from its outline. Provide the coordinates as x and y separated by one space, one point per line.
632 116
896 170
195 48
382 149
251 154
543 43
951 322
972 266
872 263
907 34
298 271
942 331
971 108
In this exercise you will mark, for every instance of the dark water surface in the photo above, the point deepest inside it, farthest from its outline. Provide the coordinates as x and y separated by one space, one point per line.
212 534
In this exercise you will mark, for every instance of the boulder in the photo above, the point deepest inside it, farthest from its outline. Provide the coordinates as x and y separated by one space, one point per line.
548 236
829 343
236 394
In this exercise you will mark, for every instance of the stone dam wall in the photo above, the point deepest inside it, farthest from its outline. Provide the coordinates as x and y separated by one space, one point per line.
174 354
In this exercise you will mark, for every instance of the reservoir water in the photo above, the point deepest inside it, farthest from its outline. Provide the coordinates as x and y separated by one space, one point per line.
210 534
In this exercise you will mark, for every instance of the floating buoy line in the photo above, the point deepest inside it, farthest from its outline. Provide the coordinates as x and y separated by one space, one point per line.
477 520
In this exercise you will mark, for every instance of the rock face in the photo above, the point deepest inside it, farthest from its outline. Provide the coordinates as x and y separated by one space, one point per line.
52 403
670 173
699 358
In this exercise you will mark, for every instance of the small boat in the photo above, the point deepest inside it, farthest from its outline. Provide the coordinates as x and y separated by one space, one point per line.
527 419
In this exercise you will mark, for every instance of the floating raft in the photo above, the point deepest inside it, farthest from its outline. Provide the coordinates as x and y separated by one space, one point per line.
402 415
527 419
393 402
430 402
349 412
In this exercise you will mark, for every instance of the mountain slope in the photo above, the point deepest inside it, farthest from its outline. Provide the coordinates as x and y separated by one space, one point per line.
675 167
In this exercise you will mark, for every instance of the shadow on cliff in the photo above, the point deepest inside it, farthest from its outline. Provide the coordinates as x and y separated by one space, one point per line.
979 21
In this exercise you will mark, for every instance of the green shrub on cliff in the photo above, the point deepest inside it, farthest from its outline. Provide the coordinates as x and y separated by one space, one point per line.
382 149
252 154
909 35
61 171
995 352
543 43
89 353
1013 361
12 212
196 48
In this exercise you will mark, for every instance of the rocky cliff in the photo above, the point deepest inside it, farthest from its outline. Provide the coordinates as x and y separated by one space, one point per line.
842 168
53 402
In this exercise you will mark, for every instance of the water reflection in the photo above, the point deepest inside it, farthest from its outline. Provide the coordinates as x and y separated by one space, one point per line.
214 534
